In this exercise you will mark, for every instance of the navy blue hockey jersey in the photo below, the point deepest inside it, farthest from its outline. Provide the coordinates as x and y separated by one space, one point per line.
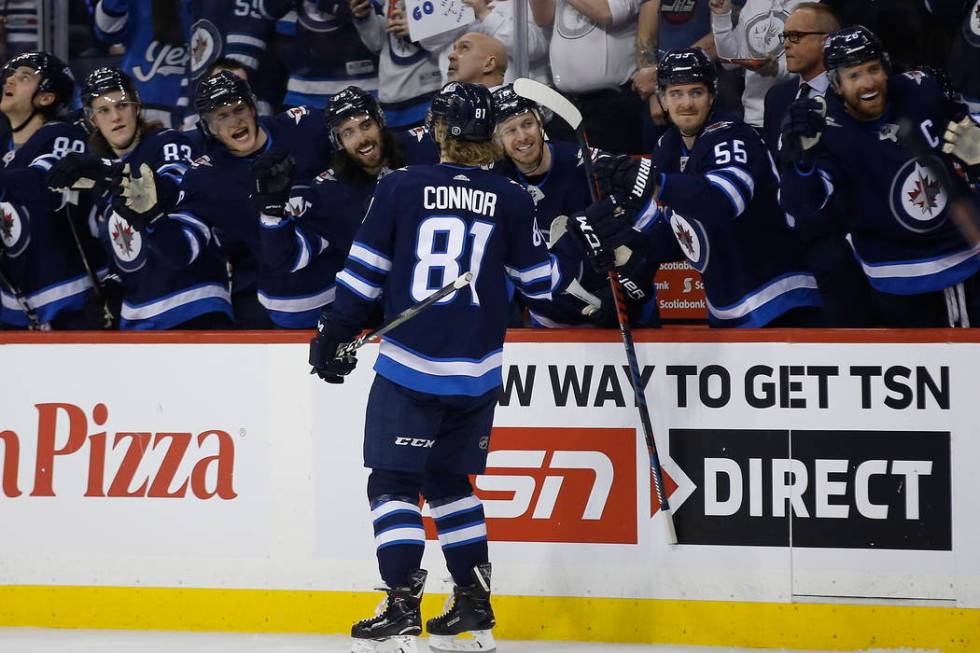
427 225
720 199
158 69
895 209
39 253
159 291
215 197
324 55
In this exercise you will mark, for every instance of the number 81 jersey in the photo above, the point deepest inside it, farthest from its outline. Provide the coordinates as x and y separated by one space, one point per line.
426 226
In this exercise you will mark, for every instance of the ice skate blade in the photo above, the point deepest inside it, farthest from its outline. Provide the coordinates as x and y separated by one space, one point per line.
398 644
480 640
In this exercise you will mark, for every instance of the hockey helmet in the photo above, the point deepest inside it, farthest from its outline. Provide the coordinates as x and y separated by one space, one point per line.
507 104
221 89
350 102
108 80
687 66
53 76
852 46
465 109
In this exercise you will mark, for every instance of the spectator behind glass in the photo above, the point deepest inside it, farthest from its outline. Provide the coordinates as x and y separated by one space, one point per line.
756 36
155 35
592 61
963 63
408 75
495 19
478 59
803 37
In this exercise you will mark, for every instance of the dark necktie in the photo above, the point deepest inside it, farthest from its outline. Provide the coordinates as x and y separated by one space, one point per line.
804 91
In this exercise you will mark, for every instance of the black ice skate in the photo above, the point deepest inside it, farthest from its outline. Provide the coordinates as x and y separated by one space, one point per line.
467 622
397 623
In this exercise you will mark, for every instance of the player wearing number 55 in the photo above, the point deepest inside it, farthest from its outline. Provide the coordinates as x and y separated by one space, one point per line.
431 406
44 245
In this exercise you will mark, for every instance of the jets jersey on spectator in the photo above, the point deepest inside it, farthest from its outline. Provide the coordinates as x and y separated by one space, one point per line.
720 200
964 57
894 208
215 199
428 225
324 55
160 291
409 75
39 254
157 68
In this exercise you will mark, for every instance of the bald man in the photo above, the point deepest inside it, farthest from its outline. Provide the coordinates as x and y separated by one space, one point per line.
478 59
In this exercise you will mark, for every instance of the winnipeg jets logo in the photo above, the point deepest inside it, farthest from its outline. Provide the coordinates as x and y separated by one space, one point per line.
13 233
418 132
8 157
461 178
127 244
691 237
888 132
918 199
762 33
535 193
297 206
684 160
297 113
916 76
971 26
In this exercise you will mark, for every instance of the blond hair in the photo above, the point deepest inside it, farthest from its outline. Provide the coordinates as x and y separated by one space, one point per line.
471 153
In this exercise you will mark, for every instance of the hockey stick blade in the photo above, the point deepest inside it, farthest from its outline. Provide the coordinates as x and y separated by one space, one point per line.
406 315
550 99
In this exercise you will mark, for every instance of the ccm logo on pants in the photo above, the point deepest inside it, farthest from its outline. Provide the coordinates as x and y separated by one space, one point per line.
841 489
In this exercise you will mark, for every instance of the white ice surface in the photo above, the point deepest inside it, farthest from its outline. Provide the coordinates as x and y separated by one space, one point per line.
43 640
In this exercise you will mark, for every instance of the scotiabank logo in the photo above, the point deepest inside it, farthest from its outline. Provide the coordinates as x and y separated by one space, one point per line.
160 465
559 485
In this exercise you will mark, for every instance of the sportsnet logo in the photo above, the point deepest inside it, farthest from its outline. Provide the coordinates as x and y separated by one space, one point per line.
574 485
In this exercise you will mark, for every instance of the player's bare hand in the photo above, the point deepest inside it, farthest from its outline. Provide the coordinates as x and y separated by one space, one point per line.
963 141
398 23
645 81
720 6
360 8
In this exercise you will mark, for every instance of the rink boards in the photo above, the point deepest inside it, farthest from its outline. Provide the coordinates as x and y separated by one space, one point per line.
823 486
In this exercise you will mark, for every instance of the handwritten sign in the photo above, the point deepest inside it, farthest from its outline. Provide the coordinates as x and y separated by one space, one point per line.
430 17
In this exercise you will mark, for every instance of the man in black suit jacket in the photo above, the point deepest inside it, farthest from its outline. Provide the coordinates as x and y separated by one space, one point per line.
803 36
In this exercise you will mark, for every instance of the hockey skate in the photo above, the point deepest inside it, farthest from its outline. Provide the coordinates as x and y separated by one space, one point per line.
468 620
397 623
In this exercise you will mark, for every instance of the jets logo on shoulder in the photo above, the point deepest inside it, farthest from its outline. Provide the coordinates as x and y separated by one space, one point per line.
683 163
127 243
297 113
535 193
915 75
971 26
918 200
716 126
201 161
205 46
297 206
692 238
888 132
461 178
8 157
14 229
418 132
326 175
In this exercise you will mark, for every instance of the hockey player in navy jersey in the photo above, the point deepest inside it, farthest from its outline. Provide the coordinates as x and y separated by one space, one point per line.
313 225
711 186
439 374
554 176
868 166
216 199
49 258
157 292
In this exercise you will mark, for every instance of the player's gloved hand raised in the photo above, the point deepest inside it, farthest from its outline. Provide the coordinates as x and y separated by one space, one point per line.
634 180
273 178
329 336
135 198
79 171
962 140
600 229
802 128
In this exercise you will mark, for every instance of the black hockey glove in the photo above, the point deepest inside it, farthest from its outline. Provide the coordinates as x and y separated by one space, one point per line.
634 180
135 198
272 172
802 128
600 229
330 335
78 171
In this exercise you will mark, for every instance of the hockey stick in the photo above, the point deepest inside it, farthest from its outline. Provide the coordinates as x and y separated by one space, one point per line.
34 324
96 286
404 316
561 106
